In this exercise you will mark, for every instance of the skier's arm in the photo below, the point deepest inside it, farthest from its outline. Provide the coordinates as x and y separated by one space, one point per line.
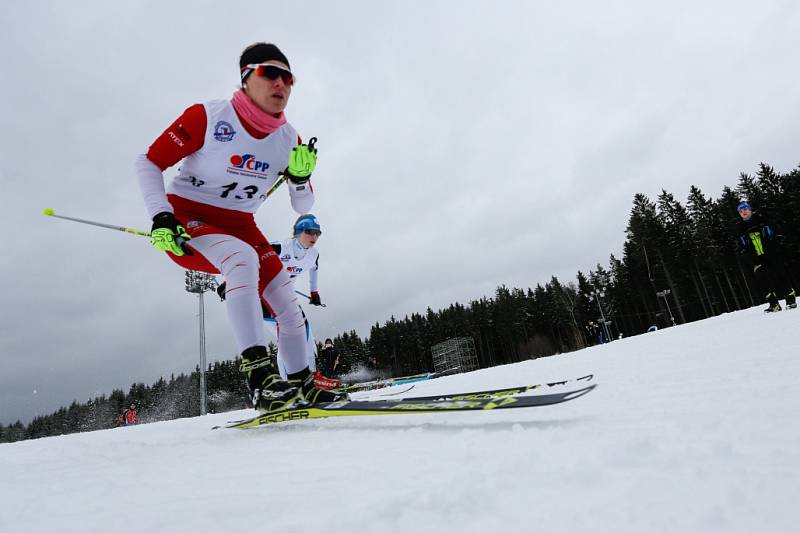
182 138
741 243
301 196
742 237
313 277
314 298
770 230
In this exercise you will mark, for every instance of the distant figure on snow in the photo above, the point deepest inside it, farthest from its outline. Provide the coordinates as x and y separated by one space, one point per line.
329 359
596 332
129 416
758 240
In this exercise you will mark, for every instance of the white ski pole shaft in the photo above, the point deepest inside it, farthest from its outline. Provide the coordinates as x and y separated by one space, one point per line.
50 212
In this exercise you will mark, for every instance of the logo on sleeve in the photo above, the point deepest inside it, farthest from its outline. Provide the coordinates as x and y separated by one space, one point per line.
179 137
223 131
175 138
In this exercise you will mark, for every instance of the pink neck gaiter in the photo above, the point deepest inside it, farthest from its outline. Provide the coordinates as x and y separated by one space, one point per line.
254 115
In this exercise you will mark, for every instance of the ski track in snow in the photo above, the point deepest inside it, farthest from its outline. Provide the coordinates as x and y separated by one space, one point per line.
693 428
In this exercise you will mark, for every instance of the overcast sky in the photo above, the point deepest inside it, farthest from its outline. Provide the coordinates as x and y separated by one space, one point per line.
462 145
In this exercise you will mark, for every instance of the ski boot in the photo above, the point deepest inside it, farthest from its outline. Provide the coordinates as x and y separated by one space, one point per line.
791 302
304 380
772 300
268 391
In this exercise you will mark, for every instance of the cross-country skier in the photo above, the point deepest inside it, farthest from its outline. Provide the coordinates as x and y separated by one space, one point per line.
233 152
298 255
757 238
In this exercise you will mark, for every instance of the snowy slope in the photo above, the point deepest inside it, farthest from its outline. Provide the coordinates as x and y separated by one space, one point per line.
694 428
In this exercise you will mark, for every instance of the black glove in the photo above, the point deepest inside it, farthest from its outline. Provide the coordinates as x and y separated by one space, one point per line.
168 235
165 219
315 300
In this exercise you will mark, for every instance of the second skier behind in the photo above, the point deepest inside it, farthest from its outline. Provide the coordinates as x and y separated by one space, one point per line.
298 255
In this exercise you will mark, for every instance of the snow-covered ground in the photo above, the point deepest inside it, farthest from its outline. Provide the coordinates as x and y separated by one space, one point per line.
693 428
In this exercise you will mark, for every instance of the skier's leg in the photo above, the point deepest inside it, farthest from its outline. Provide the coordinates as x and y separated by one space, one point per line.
791 298
766 284
282 368
272 327
311 348
305 379
783 282
311 345
279 295
238 262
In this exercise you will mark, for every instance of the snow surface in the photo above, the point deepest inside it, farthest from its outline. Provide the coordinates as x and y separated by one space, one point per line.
692 428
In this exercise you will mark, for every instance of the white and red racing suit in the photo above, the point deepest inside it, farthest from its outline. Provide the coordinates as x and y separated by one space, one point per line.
227 170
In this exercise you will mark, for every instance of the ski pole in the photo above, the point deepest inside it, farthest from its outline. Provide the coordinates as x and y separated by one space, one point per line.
277 184
50 212
307 296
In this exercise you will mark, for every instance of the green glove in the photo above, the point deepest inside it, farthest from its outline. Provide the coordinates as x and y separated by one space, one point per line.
302 162
167 234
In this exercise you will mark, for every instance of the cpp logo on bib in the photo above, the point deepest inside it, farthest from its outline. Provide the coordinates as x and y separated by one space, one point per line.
223 131
248 165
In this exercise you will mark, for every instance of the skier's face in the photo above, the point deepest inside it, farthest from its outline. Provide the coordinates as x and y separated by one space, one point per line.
308 238
270 95
745 213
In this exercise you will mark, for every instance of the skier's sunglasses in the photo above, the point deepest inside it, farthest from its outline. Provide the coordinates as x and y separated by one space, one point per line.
270 71
312 232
